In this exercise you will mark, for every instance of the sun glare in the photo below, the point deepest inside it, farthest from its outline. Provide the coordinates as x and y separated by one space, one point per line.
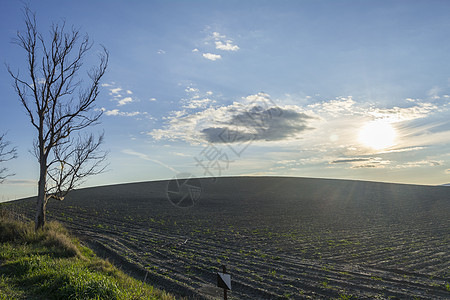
377 135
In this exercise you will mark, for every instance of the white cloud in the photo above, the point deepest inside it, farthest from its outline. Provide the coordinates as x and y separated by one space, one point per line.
197 99
399 114
212 56
176 114
347 106
152 99
321 134
132 114
115 91
421 163
255 117
116 112
160 51
337 107
228 46
217 35
223 43
125 101
106 85
113 112
198 103
190 89
119 94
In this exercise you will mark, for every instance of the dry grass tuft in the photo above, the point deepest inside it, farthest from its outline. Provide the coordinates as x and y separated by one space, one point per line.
13 229
62 242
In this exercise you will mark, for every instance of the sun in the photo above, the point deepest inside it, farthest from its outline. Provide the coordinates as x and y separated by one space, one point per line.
378 135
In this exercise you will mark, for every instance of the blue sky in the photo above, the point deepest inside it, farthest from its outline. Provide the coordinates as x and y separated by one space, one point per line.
218 88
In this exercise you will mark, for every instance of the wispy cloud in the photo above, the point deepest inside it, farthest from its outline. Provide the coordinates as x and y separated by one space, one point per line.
144 156
196 99
400 114
23 182
198 103
420 163
116 112
362 162
350 160
181 154
402 150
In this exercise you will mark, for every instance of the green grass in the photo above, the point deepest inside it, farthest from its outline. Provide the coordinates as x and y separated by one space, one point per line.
50 264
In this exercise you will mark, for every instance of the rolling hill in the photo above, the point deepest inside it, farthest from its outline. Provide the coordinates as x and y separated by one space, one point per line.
280 237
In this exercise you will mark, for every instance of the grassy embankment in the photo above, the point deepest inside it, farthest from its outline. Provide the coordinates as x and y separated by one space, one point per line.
50 264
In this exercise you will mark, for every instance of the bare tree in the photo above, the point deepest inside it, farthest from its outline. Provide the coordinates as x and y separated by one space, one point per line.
6 153
60 104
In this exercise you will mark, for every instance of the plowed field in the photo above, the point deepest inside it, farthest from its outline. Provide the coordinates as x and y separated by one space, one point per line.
290 238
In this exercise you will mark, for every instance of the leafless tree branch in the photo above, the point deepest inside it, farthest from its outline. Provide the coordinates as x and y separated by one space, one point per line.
59 104
6 153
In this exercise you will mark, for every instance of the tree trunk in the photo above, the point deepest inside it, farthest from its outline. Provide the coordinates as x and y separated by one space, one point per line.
40 213
41 199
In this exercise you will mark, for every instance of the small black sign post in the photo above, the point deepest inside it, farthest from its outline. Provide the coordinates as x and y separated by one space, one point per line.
224 281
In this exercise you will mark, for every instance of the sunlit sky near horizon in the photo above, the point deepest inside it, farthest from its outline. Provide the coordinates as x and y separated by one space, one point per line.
330 89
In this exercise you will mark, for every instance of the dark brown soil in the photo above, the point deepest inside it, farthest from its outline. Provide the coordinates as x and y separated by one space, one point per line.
290 238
